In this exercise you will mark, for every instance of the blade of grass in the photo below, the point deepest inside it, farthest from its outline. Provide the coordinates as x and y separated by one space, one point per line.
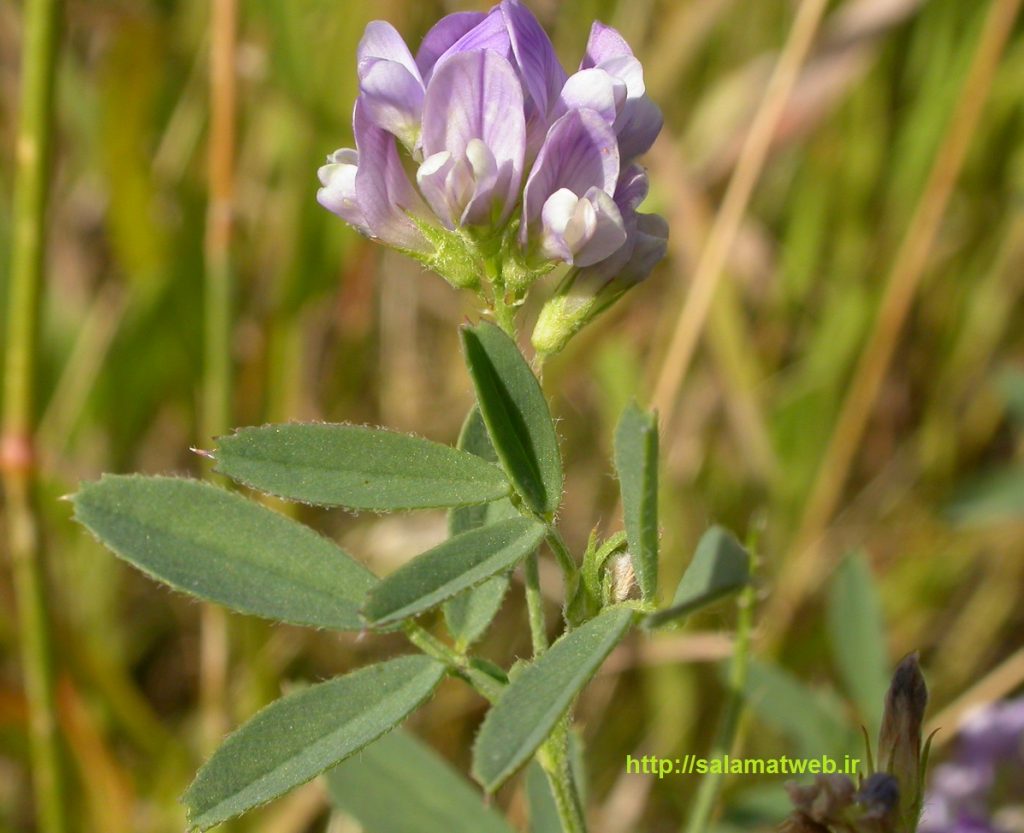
17 454
214 648
802 572
711 784
708 273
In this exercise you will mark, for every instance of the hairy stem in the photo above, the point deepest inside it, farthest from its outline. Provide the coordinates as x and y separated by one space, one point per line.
554 760
486 686
535 604
17 454
707 792
561 551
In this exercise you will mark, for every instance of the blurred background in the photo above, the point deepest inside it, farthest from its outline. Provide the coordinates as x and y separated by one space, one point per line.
855 402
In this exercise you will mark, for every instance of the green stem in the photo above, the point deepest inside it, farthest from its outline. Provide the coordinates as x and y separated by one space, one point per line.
535 604
33 147
561 551
504 313
707 792
554 760
215 417
434 647
485 685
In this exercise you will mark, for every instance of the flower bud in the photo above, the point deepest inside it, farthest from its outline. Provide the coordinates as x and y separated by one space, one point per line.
899 741
586 293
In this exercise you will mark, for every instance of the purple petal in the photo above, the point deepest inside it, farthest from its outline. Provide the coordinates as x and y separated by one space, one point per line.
383 191
557 215
638 126
494 195
650 244
961 782
442 36
543 76
436 178
338 191
381 41
631 189
593 89
604 44
639 120
462 191
477 95
579 153
581 231
393 97
490 34
629 71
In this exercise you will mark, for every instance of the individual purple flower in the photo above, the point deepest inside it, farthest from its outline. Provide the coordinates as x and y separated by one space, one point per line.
368 187
587 292
638 121
474 138
568 210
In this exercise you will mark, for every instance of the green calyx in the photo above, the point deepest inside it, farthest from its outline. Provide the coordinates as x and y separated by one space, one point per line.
456 257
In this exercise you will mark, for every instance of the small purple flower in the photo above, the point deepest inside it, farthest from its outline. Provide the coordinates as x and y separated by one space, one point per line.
980 790
518 166
474 135
578 163
369 189
639 121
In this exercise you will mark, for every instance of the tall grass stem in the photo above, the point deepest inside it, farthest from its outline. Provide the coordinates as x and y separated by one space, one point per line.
17 453
711 785
218 290
802 572
708 273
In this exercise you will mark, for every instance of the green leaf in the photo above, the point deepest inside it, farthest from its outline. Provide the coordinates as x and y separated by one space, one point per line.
857 632
217 545
812 720
398 784
468 614
719 567
301 735
543 810
636 460
451 567
360 468
516 415
473 440
540 694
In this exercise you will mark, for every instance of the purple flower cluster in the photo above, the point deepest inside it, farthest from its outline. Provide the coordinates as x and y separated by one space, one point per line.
480 154
982 789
